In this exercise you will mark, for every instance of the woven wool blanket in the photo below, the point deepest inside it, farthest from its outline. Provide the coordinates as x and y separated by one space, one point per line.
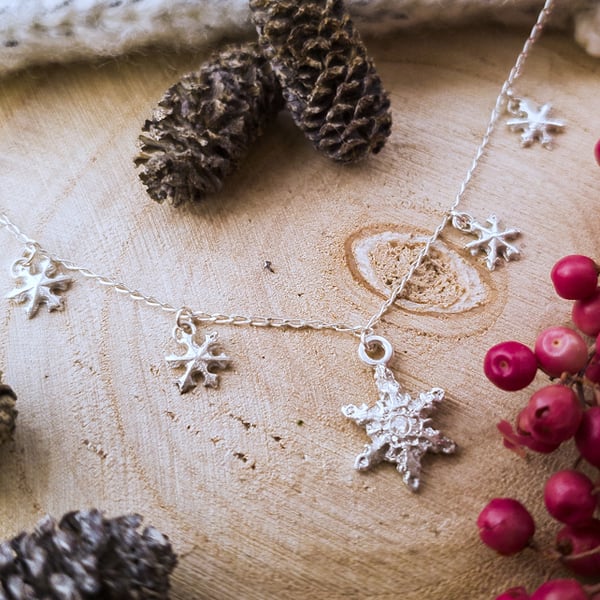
41 31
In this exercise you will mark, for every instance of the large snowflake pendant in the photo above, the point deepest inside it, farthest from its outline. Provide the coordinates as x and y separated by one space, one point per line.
399 427
37 280
199 359
534 122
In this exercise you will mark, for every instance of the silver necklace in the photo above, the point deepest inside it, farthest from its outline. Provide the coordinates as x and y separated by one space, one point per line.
398 424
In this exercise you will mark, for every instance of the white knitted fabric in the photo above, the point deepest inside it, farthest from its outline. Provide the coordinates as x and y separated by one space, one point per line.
39 31
587 29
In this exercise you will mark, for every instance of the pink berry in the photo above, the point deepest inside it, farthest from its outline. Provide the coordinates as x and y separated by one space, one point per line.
571 541
586 314
526 439
517 441
516 593
559 350
554 414
510 365
505 525
592 371
560 589
587 438
575 277
597 151
569 497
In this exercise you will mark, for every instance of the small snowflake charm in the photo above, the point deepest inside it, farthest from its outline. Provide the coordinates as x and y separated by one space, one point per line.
199 358
398 425
534 122
37 280
491 239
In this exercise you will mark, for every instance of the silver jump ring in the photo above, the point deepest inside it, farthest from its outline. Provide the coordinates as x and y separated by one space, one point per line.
184 320
462 221
378 342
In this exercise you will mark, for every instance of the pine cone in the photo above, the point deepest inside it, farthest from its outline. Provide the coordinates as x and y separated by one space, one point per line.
85 557
329 83
205 124
8 412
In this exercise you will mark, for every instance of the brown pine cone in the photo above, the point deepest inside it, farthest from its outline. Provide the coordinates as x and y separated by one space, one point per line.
8 412
329 83
205 124
86 557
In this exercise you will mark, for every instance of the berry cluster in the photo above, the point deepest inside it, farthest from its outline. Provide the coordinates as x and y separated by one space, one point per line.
568 407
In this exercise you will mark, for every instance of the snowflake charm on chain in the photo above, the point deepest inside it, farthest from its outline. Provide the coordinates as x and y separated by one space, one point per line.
199 358
398 425
491 239
534 122
37 279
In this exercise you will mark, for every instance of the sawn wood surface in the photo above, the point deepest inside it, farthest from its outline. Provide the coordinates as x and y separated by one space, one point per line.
254 481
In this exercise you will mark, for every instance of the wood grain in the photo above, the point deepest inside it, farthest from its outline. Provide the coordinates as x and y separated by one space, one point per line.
253 482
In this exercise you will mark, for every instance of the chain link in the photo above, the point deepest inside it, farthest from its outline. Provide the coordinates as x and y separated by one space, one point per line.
364 331
16 232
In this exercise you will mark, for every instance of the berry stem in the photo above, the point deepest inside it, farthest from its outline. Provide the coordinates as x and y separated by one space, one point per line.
580 390
577 382
591 552
592 590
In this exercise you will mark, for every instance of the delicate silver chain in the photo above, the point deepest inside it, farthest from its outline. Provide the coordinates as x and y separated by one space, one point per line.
218 318
505 93
316 324
17 233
